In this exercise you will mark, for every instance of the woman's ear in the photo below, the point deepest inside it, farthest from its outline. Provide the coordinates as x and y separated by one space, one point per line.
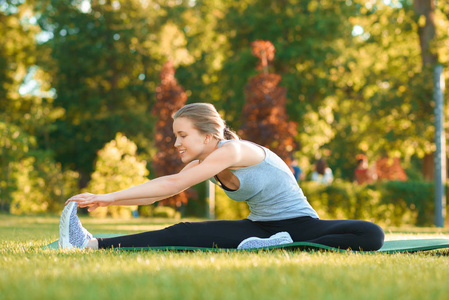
208 139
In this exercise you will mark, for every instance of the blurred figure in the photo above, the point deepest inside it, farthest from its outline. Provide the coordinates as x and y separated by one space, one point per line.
362 174
297 172
322 174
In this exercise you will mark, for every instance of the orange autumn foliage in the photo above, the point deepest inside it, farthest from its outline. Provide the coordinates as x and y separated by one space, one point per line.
170 97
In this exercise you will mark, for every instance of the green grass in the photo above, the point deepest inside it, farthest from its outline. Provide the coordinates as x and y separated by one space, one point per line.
27 272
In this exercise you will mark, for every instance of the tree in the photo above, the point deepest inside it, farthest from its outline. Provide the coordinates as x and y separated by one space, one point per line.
117 167
425 12
101 62
15 57
265 119
170 97
202 48
385 105
29 177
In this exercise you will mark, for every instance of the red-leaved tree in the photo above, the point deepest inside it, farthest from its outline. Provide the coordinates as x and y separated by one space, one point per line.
170 97
390 169
265 120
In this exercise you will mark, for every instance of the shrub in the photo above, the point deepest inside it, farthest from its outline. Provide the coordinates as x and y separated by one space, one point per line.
117 168
387 203
412 201
41 186
227 209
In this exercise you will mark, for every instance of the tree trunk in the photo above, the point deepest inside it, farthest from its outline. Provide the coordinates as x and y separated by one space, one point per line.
428 167
426 32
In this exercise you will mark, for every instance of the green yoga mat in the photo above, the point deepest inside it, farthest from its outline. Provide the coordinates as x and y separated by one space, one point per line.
388 247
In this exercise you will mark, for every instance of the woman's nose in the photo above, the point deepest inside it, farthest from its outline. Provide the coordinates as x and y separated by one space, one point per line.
177 143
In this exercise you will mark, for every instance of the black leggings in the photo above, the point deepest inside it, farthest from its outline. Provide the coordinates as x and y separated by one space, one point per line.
344 234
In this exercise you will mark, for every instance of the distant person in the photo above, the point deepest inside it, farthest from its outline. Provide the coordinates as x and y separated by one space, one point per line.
362 174
322 174
297 172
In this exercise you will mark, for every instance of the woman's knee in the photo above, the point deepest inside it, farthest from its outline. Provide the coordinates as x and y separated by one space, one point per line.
374 235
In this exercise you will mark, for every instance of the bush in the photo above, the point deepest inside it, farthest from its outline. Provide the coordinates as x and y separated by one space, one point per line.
412 201
117 168
341 200
389 202
42 186
227 209
392 203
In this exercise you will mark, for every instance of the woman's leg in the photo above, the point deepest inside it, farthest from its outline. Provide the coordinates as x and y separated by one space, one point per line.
353 234
344 234
218 234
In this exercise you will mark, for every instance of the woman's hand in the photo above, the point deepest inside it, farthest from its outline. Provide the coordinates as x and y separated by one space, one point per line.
92 201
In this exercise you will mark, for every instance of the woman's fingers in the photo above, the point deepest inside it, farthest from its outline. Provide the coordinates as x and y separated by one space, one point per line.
81 199
92 208
90 200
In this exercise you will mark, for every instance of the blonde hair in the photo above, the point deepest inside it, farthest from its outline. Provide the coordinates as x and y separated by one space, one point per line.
206 120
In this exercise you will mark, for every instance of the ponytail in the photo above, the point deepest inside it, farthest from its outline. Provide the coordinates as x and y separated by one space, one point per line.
229 134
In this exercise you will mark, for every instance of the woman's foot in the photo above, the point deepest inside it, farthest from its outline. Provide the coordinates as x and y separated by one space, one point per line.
71 233
279 238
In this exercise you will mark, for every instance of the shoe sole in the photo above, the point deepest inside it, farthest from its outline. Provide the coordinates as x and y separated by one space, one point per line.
279 238
64 225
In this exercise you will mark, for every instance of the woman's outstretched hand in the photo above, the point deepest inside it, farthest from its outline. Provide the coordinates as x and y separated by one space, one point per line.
92 201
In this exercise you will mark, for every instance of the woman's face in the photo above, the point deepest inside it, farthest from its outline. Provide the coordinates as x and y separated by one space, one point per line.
190 143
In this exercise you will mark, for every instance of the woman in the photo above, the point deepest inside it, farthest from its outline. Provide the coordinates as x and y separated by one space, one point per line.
322 174
247 172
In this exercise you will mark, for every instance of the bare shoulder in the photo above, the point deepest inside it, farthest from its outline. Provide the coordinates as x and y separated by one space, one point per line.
248 153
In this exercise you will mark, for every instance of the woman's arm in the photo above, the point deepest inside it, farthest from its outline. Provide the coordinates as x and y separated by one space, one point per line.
166 186
131 202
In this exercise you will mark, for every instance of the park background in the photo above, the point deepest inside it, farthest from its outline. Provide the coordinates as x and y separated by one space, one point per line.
87 89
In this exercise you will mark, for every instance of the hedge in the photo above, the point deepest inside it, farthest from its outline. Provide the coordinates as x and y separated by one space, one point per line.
391 203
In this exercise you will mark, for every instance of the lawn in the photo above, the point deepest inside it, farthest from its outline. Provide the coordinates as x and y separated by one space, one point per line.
27 272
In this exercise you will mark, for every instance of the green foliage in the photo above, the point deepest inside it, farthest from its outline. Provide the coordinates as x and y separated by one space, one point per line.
413 197
158 211
227 209
385 106
30 180
101 64
165 212
117 167
41 186
389 203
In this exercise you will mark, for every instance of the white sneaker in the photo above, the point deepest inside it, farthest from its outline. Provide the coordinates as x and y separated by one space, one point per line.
255 242
71 233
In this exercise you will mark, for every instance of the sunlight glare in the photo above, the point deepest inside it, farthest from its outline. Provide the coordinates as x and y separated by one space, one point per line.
357 30
85 6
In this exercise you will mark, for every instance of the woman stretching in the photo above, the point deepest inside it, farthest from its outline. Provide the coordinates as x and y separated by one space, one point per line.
247 172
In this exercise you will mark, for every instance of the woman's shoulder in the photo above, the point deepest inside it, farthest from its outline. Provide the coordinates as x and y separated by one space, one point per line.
242 145
248 152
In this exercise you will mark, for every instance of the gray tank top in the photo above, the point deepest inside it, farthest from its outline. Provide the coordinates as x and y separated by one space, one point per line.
270 189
